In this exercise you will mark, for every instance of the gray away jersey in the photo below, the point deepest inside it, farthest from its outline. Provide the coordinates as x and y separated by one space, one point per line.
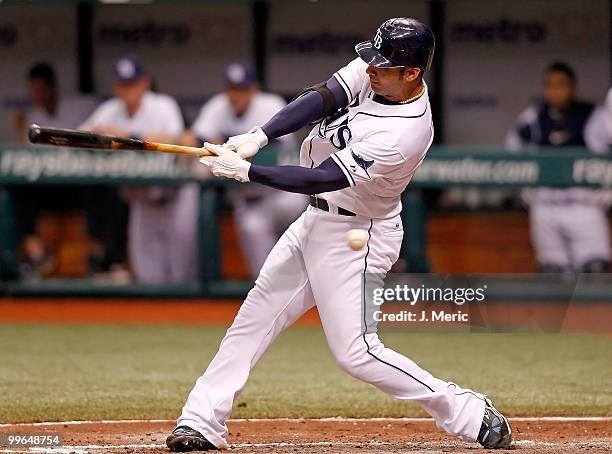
377 146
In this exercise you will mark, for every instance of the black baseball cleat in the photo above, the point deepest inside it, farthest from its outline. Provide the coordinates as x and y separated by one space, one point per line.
495 432
183 439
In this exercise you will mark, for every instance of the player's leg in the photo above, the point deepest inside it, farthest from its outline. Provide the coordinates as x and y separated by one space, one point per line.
146 248
551 248
458 411
182 235
281 294
256 232
260 223
587 229
285 207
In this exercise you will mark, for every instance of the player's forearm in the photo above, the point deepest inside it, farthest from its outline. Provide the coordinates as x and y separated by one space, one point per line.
324 178
303 110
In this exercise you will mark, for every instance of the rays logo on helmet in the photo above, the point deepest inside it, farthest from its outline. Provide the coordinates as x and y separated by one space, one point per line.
361 162
378 39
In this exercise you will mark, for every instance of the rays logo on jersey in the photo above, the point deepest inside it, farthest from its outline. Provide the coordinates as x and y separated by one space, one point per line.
341 137
361 162
335 127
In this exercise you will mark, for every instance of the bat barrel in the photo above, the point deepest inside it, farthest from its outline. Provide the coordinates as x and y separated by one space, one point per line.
86 139
72 138
34 134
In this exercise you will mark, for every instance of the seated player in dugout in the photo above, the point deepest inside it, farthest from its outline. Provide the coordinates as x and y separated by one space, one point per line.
48 108
261 213
162 226
373 127
569 227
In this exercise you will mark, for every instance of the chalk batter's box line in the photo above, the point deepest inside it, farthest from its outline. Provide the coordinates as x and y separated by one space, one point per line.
334 419
82 449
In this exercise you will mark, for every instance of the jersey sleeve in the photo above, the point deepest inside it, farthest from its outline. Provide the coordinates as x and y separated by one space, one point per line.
352 77
207 125
366 161
288 141
524 132
595 134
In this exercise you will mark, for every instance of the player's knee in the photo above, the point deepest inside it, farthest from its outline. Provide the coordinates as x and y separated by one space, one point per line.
346 364
353 358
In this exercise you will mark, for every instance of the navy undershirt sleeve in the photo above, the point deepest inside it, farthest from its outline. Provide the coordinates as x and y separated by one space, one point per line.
326 177
302 111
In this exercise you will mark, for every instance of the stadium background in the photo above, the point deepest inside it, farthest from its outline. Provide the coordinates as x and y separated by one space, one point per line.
488 66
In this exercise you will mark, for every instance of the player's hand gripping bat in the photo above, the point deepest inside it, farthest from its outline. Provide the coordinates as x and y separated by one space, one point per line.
85 139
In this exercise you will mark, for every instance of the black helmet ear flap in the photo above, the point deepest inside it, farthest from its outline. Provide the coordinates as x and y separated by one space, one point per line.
329 100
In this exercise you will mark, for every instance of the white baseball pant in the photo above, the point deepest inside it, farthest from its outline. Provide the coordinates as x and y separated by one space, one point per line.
162 238
260 223
569 235
312 265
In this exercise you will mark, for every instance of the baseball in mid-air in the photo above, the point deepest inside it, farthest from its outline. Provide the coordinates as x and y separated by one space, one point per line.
356 239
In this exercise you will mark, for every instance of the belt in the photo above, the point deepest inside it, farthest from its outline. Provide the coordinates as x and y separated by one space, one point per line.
322 204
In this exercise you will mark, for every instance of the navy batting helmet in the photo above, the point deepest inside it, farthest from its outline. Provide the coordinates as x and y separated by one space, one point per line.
399 42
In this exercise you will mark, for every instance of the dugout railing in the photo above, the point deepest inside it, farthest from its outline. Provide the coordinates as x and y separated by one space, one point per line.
444 167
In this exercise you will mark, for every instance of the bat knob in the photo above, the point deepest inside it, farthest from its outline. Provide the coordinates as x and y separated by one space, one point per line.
34 133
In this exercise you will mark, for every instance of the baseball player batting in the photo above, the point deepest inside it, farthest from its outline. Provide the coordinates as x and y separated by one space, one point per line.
373 127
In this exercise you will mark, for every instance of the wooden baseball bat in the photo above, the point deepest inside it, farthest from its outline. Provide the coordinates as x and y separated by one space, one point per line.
85 139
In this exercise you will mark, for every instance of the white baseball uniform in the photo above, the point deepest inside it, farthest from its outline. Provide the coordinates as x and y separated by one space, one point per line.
261 213
568 226
162 234
379 147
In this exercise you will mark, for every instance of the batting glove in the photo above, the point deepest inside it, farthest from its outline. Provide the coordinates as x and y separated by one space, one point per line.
226 163
247 145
